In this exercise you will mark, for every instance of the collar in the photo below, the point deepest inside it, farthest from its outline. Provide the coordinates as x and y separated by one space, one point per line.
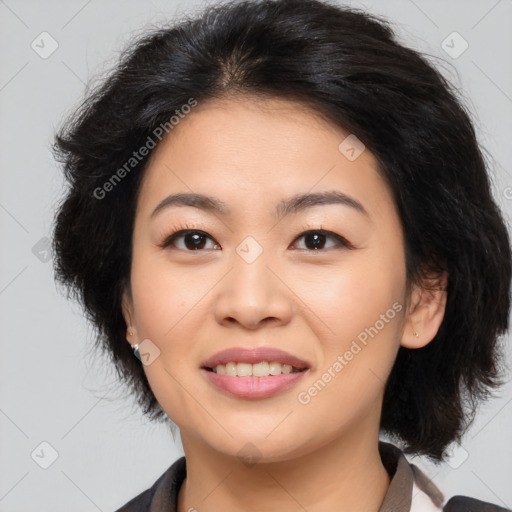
410 490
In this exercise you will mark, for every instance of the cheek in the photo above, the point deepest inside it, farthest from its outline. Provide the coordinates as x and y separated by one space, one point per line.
344 299
166 296
166 304
357 319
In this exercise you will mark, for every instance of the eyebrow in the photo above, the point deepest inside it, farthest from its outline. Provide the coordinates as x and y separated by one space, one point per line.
291 205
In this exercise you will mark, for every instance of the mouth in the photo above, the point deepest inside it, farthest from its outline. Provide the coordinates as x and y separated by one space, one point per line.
262 361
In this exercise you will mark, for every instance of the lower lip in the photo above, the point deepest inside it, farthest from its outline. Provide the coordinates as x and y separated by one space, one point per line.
253 387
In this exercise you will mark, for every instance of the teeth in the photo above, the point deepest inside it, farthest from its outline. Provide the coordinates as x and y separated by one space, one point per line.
262 369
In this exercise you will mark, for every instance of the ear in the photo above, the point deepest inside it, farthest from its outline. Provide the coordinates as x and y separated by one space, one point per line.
127 308
426 310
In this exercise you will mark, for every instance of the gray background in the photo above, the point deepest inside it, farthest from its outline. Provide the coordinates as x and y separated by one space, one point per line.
52 388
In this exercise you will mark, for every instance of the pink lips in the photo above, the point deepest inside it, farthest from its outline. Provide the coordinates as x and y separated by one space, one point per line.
253 387
253 356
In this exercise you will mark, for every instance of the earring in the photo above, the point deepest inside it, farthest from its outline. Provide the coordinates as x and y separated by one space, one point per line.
135 347
415 334
136 352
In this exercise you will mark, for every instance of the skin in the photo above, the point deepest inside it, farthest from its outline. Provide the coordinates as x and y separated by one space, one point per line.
251 153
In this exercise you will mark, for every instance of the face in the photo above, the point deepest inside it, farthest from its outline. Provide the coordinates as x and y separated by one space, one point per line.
324 282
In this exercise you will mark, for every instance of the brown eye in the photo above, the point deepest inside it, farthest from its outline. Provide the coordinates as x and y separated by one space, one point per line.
193 240
315 240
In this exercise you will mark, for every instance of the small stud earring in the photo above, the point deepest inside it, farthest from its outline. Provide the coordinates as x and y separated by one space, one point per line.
416 334
136 352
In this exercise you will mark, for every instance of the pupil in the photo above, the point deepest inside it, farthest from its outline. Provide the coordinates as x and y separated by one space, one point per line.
197 244
318 240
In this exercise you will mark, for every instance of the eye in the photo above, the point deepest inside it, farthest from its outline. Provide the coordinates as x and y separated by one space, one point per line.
315 239
193 240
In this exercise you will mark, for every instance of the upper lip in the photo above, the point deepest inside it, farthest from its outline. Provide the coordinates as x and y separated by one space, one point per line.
253 356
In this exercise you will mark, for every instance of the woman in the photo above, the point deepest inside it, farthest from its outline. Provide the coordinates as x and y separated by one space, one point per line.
280 222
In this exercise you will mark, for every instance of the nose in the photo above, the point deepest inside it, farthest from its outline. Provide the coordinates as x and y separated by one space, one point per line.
253 294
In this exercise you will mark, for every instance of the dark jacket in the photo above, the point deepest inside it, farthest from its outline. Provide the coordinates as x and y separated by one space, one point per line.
410 490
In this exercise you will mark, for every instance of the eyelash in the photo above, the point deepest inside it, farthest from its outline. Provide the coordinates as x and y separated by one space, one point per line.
181 230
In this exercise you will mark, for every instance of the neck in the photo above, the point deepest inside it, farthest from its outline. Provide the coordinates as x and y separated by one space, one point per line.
336 477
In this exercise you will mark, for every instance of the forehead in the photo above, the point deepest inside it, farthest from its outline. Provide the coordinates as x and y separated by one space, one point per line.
251 151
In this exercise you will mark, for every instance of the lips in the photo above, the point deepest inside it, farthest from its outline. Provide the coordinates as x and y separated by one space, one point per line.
254 356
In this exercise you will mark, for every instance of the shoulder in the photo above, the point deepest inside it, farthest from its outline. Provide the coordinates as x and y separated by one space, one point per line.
162 496
467 504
